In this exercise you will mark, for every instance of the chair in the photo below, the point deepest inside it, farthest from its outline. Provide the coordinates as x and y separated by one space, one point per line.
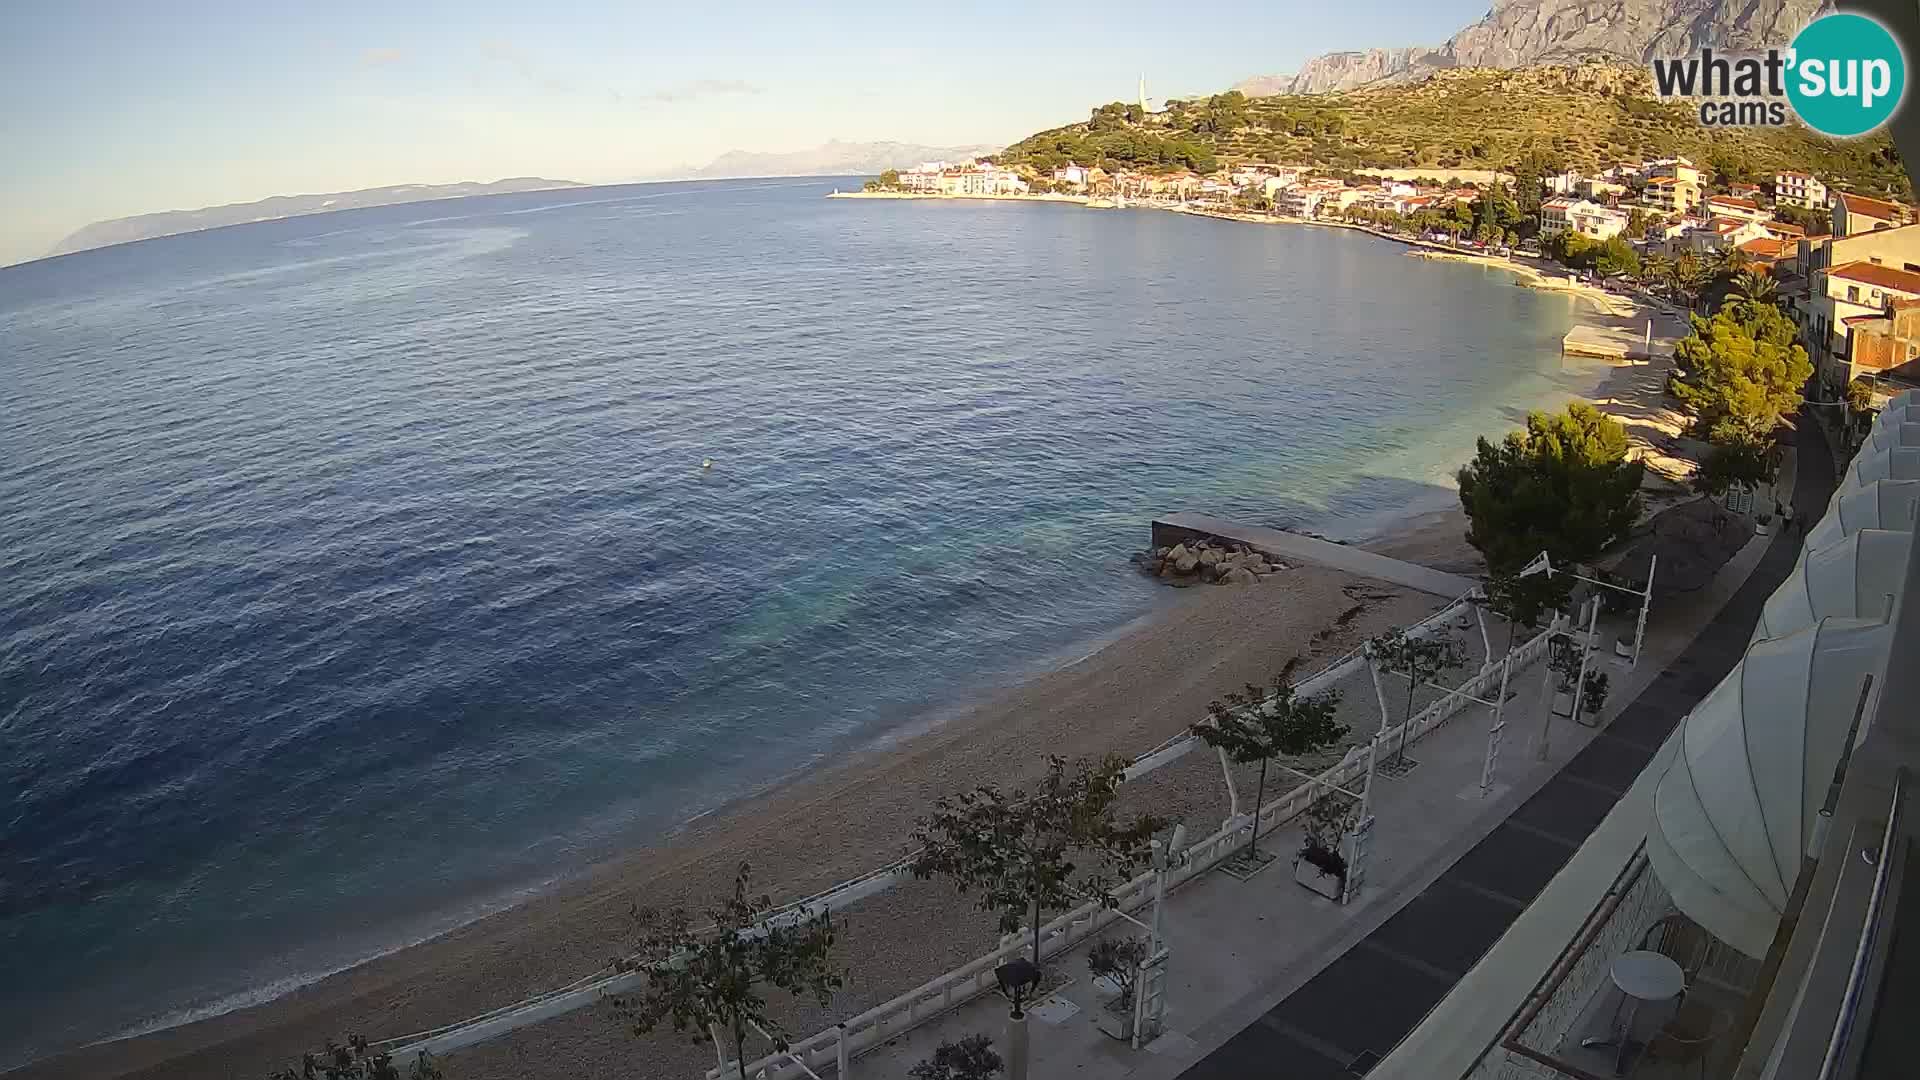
1688 1038
1680 940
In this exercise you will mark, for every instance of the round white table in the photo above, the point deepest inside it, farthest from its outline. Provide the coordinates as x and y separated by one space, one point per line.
1641 977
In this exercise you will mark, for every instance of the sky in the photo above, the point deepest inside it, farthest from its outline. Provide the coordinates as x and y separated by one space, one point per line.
114 109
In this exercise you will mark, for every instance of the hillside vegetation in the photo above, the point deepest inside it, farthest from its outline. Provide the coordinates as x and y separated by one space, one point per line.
1587 116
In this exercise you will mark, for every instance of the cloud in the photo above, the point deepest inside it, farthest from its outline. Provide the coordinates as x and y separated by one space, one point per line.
380 57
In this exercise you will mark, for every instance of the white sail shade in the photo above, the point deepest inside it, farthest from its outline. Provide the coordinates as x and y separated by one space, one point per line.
1883 504
1898 414
1883 436
1887 463
1744 778
1853 578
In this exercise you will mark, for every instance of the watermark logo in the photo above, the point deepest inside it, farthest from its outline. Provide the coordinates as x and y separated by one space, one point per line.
1844 75
1849 75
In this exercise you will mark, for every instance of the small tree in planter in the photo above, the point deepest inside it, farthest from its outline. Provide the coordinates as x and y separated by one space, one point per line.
709 981
1258 725
1321 866
1117 961
1017 849
972 1058
1594 697
1419 660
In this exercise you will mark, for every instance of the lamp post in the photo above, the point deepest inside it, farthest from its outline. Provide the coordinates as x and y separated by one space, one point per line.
1017 978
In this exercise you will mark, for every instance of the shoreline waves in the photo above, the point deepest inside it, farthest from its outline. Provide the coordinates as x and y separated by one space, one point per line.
817 826
1139 686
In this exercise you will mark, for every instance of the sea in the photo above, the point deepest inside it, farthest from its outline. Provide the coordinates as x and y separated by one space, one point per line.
365 572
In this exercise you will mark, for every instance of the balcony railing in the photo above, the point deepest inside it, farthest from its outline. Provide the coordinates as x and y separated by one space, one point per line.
1576 1000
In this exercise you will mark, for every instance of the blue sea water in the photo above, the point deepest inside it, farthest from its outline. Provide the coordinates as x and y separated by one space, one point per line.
359 573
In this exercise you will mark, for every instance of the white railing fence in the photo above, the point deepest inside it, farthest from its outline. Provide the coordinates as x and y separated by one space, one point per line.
930 1000
953 987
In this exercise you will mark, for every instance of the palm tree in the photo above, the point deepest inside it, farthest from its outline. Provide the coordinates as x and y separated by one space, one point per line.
1754 285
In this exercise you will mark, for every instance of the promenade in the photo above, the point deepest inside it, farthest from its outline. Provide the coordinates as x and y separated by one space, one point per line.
1266 978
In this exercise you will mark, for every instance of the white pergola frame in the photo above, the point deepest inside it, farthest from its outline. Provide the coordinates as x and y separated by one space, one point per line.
1540 564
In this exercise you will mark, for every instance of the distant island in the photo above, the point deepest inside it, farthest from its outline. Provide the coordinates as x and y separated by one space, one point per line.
170 222
832 158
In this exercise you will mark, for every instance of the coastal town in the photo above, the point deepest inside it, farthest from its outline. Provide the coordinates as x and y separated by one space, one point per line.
1844 266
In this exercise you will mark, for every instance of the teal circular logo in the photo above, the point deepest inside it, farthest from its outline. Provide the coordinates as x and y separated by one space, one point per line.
1847 75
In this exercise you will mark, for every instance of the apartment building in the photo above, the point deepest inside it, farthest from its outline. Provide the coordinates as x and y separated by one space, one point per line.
1799 189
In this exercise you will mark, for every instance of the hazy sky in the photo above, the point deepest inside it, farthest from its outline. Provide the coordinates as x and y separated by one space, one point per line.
111 109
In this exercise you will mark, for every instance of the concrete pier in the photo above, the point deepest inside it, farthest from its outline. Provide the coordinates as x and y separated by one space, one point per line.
1615 343
1170 529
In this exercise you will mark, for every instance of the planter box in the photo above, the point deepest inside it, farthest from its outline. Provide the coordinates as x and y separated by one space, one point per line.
1331 886
1115 1020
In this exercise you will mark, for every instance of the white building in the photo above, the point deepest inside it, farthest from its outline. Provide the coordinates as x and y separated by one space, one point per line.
1799 189
1566 183
1714 234
977 179
1733 206
1305 200
1845 292
1589 219
1071 175
1278 182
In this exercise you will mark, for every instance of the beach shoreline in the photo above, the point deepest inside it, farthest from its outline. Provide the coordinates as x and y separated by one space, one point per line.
812 828
807 831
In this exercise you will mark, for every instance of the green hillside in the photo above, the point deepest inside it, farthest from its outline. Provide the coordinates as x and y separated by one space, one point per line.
1585 117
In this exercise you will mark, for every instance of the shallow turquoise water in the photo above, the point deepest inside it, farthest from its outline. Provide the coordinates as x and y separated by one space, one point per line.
362 573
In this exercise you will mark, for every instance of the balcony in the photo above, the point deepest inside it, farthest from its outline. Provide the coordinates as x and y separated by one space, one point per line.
1573 1022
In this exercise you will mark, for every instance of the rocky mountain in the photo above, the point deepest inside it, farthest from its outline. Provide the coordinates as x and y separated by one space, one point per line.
169 222
835 158
1518 33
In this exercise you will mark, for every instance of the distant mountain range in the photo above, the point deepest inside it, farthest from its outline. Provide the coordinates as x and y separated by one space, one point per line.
169 222
1521 33
833 158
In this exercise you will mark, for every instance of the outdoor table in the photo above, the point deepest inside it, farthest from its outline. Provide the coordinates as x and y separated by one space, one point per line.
1641 976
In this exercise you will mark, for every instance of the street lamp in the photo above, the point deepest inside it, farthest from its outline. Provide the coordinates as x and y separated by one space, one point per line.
1017 978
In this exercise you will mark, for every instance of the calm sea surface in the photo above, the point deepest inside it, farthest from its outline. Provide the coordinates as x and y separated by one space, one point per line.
359 572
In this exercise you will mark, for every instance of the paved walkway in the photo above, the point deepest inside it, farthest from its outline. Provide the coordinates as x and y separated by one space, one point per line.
1353 1012
1267 979
1293 547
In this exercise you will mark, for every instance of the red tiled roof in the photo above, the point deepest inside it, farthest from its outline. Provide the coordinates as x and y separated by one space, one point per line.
1766 247
1873 208
1885 277
1728 200
1870 317
1781 228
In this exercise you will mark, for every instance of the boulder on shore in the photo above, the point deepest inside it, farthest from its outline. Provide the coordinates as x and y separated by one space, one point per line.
1239 575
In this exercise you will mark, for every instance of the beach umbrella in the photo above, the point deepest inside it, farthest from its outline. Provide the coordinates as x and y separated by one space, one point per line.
1855 577
1887 463
1743 780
